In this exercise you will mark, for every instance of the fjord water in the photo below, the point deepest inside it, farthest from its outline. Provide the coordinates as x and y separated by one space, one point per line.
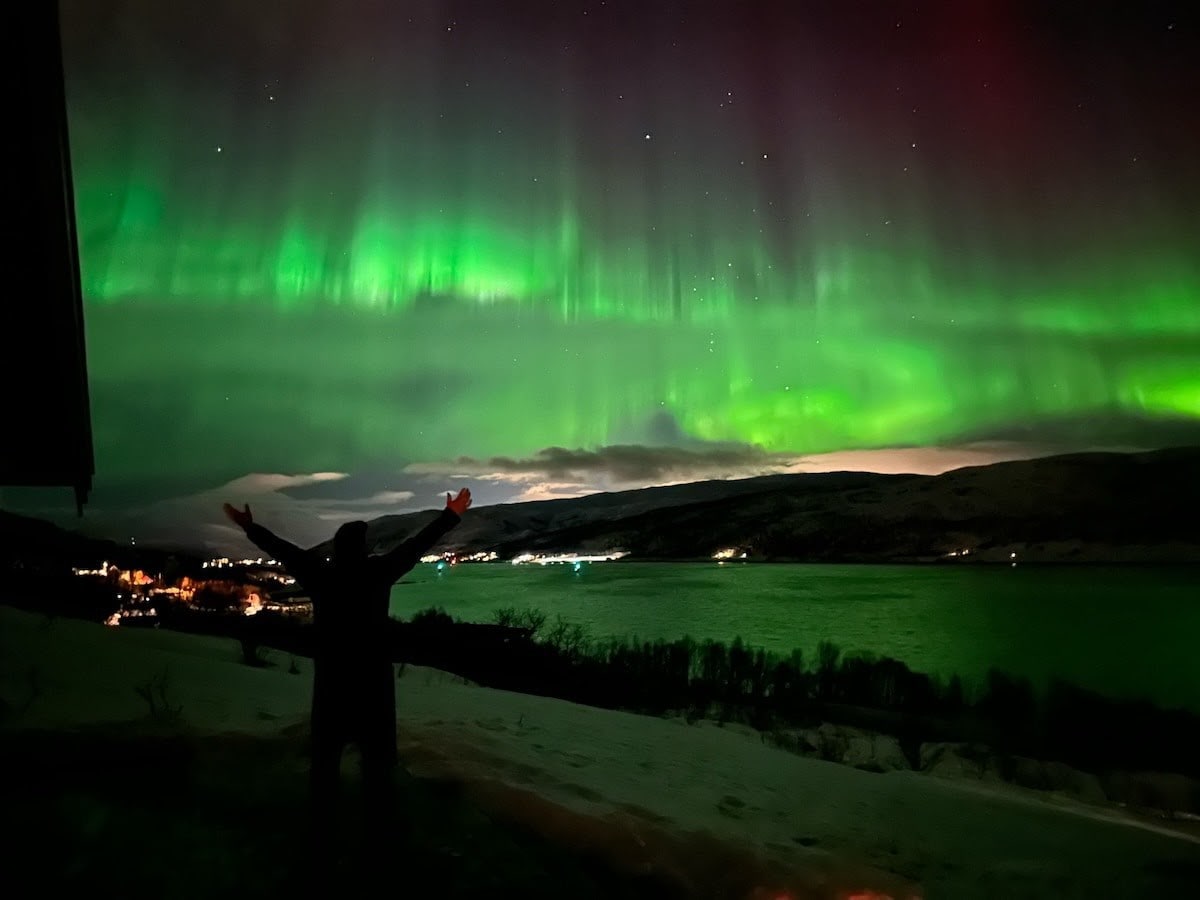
1122 631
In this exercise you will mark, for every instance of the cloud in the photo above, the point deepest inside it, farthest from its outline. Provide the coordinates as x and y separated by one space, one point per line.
917 460
383 498
622 463
556 472
258 483
645 466
1105 429
196 519
550 490
306 508
656 450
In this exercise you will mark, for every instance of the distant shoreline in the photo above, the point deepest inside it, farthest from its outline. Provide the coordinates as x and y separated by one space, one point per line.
982 563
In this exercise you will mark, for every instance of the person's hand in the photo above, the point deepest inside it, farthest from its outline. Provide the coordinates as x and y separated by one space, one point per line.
460 503
239 517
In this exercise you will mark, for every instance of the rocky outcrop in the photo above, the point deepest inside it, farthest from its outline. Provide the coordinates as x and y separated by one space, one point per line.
960 760
1162 791
848 746
1055 776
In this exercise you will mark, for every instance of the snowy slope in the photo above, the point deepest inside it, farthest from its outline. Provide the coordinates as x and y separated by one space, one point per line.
652 790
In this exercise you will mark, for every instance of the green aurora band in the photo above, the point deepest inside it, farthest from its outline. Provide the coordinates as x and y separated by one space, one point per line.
480 266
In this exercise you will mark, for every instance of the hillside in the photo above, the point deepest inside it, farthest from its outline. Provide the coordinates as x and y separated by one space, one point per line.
35 545
698 811
1093 507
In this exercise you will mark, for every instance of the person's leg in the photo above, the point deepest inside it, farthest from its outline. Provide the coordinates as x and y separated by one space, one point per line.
381 817
328 741
378 777
324 775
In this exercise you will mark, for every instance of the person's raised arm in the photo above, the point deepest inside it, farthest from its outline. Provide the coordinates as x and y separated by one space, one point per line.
402 558
292 557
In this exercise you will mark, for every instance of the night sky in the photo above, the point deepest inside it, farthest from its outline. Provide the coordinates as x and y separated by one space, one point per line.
392 241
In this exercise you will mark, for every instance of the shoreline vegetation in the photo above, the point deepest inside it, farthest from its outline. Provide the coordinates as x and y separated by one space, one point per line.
875 713
923 562
854 708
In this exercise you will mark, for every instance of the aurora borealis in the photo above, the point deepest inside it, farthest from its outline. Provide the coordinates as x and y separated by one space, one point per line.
321 236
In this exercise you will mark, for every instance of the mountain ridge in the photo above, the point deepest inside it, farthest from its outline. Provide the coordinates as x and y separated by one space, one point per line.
1089 507
1084 507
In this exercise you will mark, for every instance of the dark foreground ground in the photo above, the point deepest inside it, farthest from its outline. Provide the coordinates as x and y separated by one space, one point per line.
129 812
141 815
135 811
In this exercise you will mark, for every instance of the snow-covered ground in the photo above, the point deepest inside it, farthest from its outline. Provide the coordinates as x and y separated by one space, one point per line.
651 791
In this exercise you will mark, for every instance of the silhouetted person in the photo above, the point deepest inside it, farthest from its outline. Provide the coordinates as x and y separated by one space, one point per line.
354 687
